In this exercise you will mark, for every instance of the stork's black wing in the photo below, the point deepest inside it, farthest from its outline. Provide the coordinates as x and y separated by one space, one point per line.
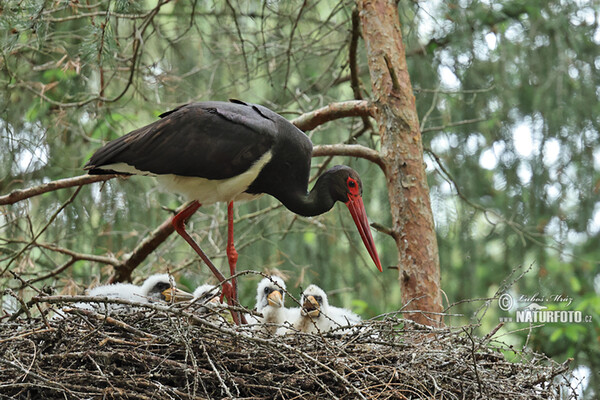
213 140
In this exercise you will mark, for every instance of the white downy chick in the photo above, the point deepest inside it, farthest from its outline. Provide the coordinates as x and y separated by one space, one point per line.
316 315
270 298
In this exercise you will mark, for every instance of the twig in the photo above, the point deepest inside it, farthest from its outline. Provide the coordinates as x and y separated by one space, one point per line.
451 124
349 150
52 273
108 13
333 111
241 37
429 111
491 333
22 194
216 371
124 269
25 334
74 255
461 91
29 373
50 221
24 306
383 229
110 320
481 392
289 49
355 35
354 80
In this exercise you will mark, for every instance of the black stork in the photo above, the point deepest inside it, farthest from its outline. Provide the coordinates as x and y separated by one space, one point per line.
219 151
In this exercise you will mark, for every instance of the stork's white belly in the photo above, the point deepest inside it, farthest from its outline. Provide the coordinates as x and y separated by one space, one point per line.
206 191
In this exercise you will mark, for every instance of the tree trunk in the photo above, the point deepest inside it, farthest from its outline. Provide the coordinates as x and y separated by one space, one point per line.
402 154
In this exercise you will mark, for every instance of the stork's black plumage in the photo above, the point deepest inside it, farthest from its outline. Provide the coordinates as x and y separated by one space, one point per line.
231 138
219 151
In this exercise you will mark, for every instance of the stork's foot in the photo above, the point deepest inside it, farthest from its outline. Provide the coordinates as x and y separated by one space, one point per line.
228 292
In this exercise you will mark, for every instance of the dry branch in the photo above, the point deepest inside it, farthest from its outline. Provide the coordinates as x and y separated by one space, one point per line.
451 124
349 150
79 256
144 249
333 111
23 194
167 352
51 219
355 83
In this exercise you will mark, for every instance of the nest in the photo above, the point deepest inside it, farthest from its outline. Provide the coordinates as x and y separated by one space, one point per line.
160 352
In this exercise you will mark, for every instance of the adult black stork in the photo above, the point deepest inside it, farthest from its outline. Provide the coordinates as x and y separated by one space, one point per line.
219 151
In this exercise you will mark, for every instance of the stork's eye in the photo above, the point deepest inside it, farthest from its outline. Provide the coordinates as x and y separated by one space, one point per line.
267 291
319 299
352 186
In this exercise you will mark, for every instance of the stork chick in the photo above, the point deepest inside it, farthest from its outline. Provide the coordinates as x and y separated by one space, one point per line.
206 298
161 287
157 287
311 317
316 315
270 298
207 293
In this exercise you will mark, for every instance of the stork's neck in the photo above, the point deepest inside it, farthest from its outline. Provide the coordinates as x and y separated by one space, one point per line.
317 202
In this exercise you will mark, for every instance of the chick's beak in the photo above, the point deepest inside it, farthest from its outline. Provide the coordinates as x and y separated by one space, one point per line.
311 307
174 295
214 299
275 299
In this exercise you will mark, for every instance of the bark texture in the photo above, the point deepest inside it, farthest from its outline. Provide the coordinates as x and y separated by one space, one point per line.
402 154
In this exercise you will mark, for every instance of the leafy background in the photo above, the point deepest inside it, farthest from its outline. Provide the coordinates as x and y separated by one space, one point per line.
507 94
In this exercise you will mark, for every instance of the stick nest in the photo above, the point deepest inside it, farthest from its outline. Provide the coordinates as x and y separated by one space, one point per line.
160 352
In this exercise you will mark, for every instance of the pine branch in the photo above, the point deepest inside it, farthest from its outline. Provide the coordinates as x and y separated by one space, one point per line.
333 111
137 49
289 49
78 256
36 237
451 124
23 194
352 59
124 269
351 150
354 80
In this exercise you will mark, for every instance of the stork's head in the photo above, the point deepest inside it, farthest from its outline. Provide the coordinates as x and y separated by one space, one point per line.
345 186
270 292
207 294
161 287
314 301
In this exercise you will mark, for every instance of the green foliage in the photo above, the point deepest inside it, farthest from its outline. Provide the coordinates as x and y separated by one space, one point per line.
508 98
527 174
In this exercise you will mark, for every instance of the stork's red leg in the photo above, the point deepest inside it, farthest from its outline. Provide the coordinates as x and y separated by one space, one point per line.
178 222
232 256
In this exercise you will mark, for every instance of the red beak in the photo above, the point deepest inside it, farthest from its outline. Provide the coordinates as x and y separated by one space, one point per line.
357 209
